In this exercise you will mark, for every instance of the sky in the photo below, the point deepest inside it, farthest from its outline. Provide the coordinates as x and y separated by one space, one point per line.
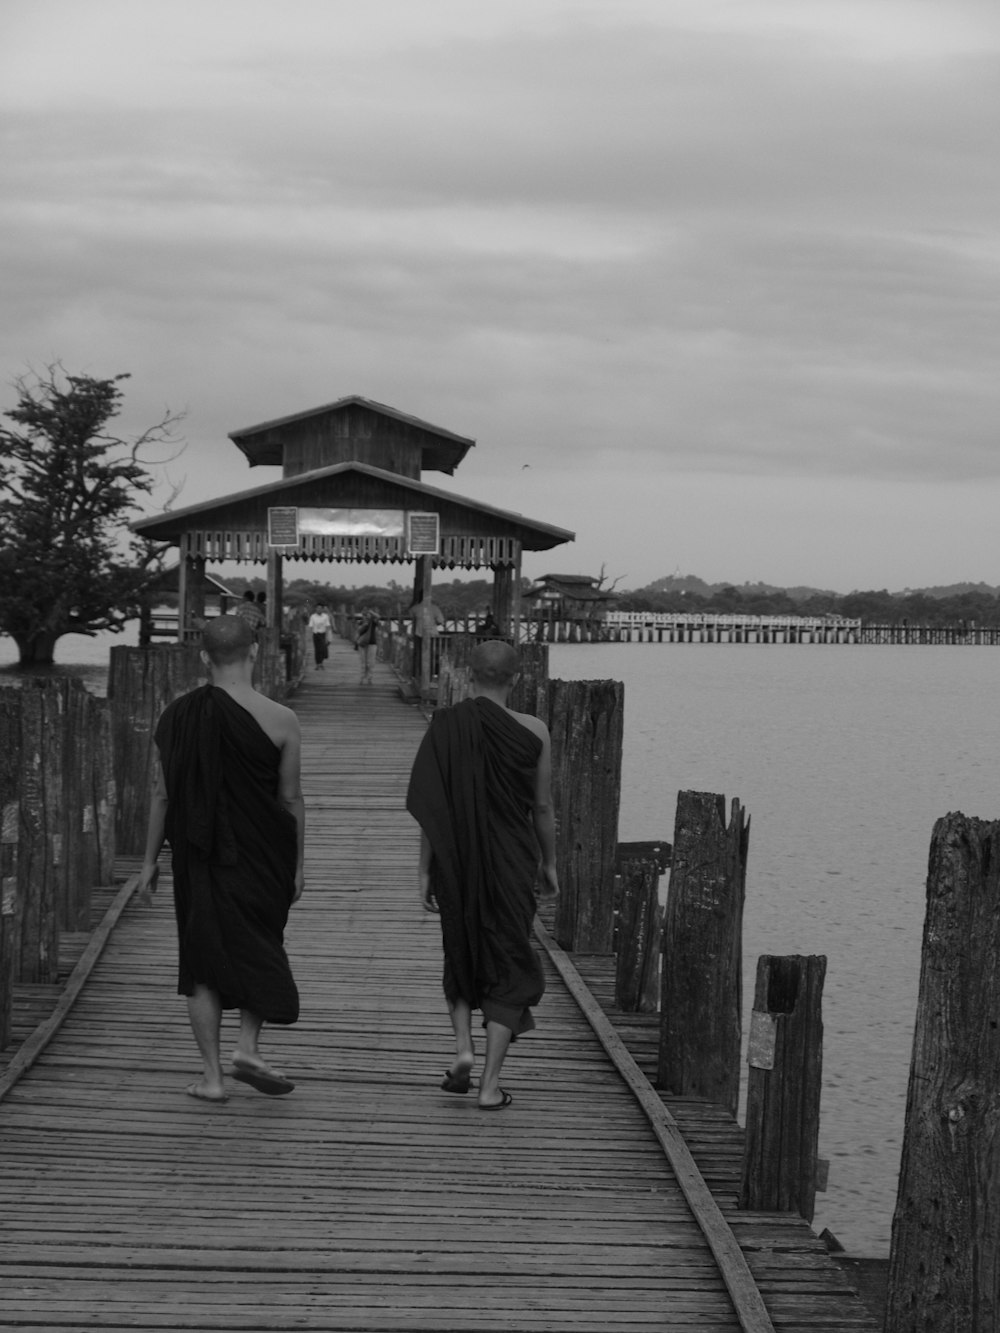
712 283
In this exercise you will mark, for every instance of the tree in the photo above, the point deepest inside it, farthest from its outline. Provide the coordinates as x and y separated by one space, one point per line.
67 565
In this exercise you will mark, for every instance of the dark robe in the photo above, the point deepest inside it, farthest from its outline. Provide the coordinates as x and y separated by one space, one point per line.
234 849
472 791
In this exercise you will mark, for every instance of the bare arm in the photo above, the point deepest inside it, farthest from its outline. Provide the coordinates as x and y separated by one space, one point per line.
155 827
290 796
543 815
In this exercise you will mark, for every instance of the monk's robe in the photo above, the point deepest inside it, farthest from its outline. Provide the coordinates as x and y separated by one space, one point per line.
234 850
472 791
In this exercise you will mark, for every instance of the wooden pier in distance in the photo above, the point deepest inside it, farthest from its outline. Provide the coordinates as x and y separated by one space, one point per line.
368 1199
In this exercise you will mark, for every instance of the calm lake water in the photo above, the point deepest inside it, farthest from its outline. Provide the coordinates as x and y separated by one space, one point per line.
844 757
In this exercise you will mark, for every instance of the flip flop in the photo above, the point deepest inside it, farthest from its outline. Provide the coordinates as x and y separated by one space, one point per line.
460 1081
264 1080
193 1090
501 1105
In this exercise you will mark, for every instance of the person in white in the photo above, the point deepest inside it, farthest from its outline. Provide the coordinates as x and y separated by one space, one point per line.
320 627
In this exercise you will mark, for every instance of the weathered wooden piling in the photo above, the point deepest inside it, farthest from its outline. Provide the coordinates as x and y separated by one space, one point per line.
780 1157
141 682
10 822
585 719
531 689
944 1266
55 744
701 1005
638 936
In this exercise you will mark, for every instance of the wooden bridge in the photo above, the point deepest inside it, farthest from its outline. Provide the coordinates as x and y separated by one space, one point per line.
369 1200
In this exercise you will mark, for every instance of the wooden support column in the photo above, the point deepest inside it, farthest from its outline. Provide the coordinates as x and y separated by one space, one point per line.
515 598
425 575
502 590
944 1265
780 1153
275 588
183 578
700 1019
190 592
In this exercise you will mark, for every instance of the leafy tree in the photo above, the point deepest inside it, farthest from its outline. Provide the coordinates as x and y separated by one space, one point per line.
67 485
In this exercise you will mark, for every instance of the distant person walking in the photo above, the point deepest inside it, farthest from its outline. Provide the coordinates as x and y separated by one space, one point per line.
427 618
249 610
479 790
228 800
320 626
366 641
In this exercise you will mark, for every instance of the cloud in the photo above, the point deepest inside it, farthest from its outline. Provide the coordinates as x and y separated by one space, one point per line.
705 240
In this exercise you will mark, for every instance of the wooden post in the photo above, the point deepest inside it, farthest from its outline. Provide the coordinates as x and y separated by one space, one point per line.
586 724
531 690
701 1007
275 589
639 935
426 571
141 682
38 938
780 1153
10 824
944 1265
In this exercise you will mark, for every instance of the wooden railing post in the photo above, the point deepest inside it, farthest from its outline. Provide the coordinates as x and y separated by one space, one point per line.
944 1265
585 719
701 1008
638 936
10 826
780 1155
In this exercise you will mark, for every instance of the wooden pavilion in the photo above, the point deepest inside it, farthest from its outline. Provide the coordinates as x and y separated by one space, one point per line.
351 490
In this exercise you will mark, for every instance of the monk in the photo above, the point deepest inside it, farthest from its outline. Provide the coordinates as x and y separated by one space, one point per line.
228 799
479 790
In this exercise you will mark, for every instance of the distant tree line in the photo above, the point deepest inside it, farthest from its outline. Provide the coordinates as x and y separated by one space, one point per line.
876 608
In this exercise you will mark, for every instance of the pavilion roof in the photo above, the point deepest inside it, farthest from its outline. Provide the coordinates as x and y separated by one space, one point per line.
332 486
442 449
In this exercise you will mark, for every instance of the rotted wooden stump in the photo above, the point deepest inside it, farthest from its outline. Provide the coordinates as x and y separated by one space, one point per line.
944 1266
780 1159
701 1006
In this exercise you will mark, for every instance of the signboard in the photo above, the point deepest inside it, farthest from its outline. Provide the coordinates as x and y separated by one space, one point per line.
423 534
351 522
283 526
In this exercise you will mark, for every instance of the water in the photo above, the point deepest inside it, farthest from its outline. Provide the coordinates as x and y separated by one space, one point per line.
844 757
76 655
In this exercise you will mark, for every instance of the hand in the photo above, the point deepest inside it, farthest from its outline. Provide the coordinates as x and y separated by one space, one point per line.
148 876
427 899
300 883
549 887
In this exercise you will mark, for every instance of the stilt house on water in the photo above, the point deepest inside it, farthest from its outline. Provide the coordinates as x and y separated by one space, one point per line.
351 490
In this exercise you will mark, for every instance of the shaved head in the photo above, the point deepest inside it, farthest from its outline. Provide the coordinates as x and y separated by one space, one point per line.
493 663
227 639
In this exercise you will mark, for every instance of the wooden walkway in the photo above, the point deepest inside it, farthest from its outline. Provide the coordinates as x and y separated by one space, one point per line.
367 1200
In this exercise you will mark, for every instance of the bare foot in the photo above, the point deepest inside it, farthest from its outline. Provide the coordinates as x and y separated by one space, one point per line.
207 1092
255 1071
458 1078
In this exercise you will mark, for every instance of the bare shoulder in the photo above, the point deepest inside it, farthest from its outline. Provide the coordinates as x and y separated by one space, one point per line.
533 724
277 720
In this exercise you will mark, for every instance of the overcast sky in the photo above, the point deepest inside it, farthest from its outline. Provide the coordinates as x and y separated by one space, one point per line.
723 273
